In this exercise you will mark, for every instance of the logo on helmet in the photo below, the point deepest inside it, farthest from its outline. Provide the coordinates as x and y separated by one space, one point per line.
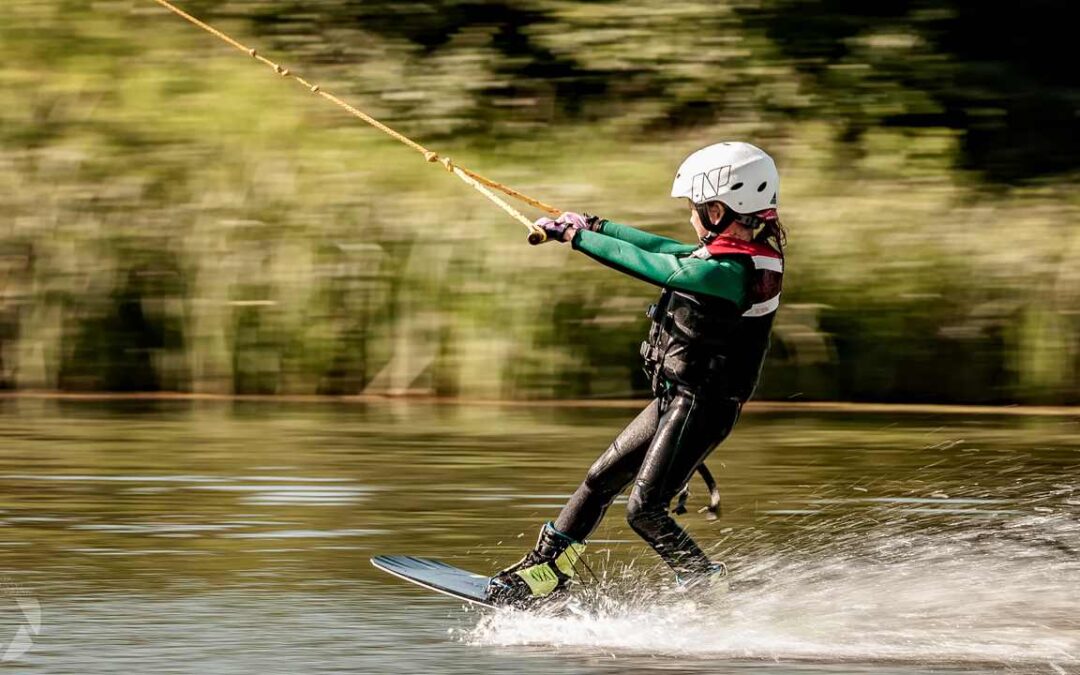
707 185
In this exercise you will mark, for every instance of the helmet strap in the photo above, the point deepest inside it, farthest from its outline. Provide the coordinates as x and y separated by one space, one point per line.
725 220
752 221
757 221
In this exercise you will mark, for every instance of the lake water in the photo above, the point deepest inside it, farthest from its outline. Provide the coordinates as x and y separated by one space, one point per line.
234 537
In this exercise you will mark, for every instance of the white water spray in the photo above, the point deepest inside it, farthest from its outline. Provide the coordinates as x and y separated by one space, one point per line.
888 582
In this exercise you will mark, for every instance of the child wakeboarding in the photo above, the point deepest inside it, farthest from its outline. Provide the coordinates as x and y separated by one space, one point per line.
704 352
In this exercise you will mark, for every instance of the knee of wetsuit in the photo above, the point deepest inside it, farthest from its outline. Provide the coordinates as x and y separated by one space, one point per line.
643 517
598 480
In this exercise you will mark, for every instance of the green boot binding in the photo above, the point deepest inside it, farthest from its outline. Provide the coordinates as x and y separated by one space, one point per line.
545 570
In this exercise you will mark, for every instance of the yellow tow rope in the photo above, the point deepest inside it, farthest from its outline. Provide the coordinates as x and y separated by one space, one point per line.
471 178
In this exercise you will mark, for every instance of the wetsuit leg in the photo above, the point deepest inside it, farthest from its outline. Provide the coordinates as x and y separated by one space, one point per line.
688 429
609 476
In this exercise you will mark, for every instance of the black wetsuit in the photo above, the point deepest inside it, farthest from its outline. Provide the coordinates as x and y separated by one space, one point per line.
704 354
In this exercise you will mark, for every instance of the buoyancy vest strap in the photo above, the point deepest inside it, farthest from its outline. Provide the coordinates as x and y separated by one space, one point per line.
721 245
763 308
772 264
714 509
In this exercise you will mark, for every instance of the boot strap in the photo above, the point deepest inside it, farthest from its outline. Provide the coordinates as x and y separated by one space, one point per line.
568 559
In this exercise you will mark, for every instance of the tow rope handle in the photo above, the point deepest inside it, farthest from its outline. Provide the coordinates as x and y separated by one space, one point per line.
471 178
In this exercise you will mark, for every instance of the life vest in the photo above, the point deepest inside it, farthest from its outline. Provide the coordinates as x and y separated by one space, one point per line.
764 291
707 343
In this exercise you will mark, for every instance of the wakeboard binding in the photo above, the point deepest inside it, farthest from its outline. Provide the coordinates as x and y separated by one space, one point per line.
543 574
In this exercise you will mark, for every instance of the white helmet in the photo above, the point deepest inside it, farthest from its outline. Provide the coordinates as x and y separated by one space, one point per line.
740 175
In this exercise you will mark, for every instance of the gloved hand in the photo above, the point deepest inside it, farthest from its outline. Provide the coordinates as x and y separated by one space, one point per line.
563 227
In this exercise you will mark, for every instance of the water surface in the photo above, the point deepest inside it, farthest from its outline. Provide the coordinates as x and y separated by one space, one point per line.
234 538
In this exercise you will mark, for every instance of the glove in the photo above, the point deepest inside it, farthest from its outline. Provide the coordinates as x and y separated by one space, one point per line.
563 227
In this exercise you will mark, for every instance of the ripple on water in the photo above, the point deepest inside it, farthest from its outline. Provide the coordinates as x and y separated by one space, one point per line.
293 493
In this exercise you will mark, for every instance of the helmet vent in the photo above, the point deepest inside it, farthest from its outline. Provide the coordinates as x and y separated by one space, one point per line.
761 188
736 186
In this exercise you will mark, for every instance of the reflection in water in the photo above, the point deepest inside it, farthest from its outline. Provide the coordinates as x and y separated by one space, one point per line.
235 538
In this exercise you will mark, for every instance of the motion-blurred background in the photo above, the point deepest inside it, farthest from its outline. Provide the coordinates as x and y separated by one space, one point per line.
176 218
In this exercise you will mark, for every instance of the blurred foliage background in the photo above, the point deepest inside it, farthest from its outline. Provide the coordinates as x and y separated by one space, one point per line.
174 217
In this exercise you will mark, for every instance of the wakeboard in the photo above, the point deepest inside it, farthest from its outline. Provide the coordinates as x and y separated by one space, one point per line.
437 576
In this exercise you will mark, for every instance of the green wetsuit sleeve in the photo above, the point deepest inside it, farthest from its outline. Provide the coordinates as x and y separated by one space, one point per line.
725 278
645 240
